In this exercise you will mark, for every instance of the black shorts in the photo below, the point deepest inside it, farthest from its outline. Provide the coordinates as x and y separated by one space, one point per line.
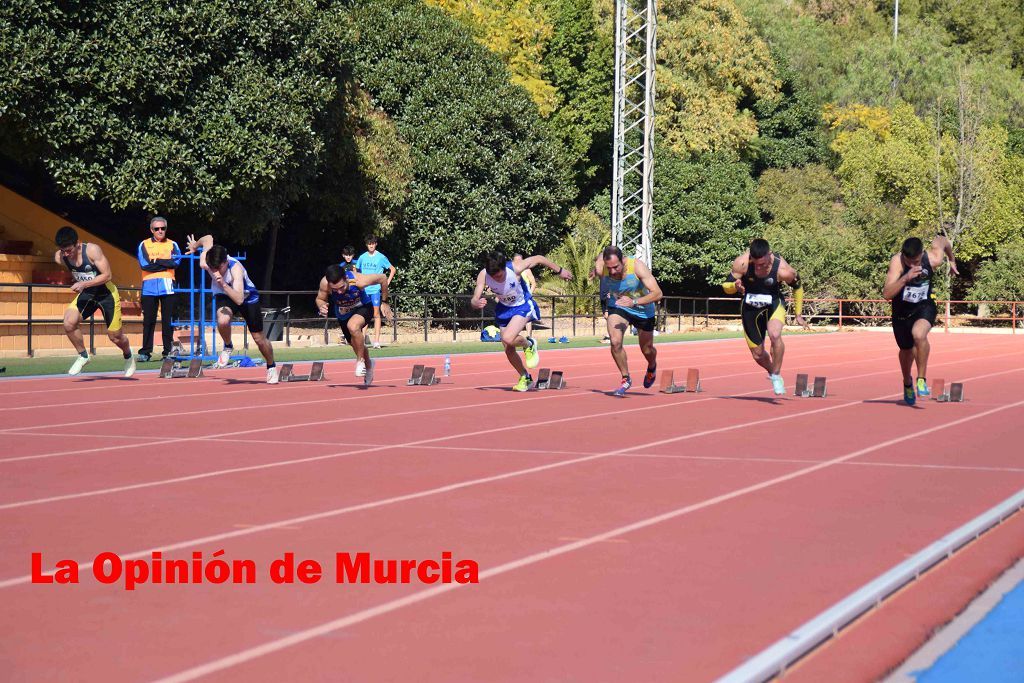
641 324
755 320
366 311
252 314
104 299
903 324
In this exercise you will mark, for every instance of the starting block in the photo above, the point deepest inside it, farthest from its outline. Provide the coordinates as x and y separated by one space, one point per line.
668 385
954 393
316 373
194 369
423 375
817 390
550 379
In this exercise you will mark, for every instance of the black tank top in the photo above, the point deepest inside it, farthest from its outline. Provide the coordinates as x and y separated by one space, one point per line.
760 287
915 293
85 272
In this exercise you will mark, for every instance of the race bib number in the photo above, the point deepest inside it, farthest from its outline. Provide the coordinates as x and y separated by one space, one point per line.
508 299
913 295
79 276
758 300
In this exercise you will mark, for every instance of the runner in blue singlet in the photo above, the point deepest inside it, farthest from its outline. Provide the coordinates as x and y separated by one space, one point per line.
344 290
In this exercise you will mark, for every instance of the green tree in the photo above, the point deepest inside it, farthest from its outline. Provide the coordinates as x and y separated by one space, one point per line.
579 63
999 279
806 222
208 110
706 215
485 172
518 32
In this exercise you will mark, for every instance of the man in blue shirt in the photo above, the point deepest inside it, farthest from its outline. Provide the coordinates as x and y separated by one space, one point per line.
372 262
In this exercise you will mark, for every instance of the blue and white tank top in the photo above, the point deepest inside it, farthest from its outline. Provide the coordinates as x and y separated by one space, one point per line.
252 295
511 293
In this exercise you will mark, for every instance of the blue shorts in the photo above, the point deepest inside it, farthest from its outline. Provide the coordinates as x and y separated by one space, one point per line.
374 298
504 314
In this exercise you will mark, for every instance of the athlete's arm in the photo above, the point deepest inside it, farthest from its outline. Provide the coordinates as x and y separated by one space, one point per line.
788 275
363 281
204 243
236 290
643 273
893 281
478 301
734 284
391 274
527 263
95 255
941 246
323 302
57 258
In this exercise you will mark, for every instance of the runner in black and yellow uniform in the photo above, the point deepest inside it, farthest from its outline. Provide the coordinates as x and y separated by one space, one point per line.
757 276
93 291
909 286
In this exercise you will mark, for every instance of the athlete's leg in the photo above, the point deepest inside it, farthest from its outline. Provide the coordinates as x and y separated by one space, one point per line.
511 340
617 326
922 347
224 324
376 326
778 346
907 365
265 347
355 324
762 357
73 327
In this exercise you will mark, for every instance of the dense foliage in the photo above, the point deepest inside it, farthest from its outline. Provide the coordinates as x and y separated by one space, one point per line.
451 127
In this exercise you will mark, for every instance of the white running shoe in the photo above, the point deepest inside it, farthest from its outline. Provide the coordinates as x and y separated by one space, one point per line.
129 365
778 385
223 359
376 345
368 378
273 375
360 368
79 363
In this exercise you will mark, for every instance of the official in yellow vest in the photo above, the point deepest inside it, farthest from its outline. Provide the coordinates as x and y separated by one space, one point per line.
158 257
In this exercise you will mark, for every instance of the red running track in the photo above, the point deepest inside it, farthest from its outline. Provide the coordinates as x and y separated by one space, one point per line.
651 538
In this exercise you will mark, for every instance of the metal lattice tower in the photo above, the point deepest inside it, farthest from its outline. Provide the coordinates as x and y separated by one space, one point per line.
633 161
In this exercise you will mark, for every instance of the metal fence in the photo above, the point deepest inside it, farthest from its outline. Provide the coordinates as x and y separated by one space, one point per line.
423 315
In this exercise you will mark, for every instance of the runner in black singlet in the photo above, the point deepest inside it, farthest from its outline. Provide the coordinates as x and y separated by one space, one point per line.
94 291
757 276
908 286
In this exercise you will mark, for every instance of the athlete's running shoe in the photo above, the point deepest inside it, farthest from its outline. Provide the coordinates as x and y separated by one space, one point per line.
223 358
908 394
524 383
624 387
360 368
273 375
79 363
531 353
368 377
778 384
129 365
650 376
922 387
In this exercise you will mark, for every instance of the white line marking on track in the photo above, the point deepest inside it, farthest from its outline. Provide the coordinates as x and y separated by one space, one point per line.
420 596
